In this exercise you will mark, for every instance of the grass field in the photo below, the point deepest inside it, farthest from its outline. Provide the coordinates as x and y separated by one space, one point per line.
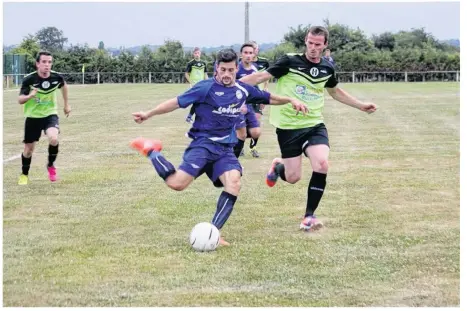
110 233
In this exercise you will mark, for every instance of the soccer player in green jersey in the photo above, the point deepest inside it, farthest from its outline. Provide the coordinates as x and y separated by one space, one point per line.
305 77
196 70
38 95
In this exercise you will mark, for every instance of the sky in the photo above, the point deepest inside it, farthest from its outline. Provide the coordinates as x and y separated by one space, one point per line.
207 24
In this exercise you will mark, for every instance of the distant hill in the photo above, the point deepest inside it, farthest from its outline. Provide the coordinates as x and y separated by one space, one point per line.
453 42
207 50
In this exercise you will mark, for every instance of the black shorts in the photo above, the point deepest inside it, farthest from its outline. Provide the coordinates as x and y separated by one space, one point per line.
294 142
257 108
34 126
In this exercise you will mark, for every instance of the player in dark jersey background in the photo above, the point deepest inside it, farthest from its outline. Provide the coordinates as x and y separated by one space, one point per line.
196 70
38 95
261 64
305 76
248 125
218 103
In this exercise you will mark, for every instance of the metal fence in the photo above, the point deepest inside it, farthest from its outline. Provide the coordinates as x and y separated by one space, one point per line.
14 80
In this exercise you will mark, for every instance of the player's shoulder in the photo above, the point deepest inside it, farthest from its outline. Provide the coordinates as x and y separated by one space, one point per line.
191 61
205 84
56 74
30 76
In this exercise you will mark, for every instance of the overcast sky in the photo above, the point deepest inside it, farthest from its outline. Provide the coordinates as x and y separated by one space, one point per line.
214 24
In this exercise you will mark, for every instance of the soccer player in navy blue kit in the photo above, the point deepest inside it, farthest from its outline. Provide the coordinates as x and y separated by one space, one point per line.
218 103
247 125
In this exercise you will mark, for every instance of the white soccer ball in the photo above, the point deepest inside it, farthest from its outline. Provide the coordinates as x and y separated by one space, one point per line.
204 237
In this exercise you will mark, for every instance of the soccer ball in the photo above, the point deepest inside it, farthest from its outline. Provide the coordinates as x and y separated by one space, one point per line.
204 237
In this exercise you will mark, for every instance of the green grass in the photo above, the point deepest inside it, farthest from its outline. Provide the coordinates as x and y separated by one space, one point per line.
110 233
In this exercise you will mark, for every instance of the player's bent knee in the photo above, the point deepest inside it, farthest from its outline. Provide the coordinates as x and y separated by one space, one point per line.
53 141
322 166
293 178
176 186
28 150
241 135
233 186
255 132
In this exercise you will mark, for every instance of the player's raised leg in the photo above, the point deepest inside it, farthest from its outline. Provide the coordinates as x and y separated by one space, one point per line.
193 162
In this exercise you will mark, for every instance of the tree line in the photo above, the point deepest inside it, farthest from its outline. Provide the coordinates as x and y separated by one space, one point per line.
414 50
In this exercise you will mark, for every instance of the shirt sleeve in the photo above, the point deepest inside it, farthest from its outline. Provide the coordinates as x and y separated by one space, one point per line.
188 67
196 94
280 68
332 81
256 96
61 81
25 86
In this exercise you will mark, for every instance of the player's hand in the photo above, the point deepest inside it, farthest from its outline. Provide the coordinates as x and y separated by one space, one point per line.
299 106
261 106
67 110
368 107
243 109
139 117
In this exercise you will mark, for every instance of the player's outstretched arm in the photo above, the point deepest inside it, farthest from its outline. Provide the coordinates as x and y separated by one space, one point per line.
342 96
166 107
256 78
282 100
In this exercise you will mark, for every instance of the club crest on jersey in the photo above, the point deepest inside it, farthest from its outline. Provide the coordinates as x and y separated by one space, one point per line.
304 94
239 94
314 72
300 89
45 84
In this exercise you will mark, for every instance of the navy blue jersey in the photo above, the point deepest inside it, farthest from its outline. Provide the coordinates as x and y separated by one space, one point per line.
217 108
245 72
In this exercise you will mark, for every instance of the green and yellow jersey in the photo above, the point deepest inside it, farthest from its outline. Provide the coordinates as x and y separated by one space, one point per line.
45 102
196 70
299 78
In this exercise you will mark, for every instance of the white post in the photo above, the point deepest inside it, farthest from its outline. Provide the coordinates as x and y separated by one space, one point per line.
7 82
406 80
83 77
98 78
149 78
353 76
457 76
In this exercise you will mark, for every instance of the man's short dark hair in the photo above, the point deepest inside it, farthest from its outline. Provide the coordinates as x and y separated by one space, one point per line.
319 31
245 45
46 53
226 56
196 49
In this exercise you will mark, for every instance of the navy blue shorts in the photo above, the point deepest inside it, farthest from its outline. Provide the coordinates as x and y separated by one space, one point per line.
206 156
247 120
